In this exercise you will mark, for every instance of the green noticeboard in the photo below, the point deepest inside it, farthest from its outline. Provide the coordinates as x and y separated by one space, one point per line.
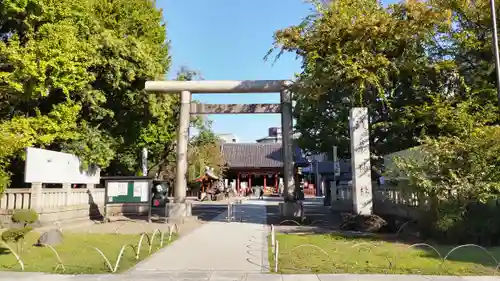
123 190
128 191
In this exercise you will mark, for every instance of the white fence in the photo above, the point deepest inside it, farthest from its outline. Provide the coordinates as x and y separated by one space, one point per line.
52 203
26 198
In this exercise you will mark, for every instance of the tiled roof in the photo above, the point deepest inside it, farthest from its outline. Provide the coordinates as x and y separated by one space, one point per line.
255 155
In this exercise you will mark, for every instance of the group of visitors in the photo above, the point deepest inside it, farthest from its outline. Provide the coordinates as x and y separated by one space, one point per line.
253 191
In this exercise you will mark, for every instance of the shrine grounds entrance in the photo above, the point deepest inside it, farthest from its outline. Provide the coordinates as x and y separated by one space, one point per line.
187 88
362 198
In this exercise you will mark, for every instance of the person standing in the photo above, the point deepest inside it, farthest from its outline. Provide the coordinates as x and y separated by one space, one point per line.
300 196
261 193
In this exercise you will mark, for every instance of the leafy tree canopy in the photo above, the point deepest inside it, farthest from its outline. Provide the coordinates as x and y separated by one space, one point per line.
425 70
397 61
72 76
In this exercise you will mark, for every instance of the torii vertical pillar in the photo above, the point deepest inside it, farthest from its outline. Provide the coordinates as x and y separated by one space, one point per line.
287 139
290 209
179 210
182 145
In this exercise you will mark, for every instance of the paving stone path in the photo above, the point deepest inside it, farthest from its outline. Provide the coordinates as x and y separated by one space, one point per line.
219 245
232 276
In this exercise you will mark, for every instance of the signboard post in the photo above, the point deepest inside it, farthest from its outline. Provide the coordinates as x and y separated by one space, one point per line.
128 190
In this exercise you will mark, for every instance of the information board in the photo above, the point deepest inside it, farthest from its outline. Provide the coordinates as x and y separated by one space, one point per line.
128 191
123 190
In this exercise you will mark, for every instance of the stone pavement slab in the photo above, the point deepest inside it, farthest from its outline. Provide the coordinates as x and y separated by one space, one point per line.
218 245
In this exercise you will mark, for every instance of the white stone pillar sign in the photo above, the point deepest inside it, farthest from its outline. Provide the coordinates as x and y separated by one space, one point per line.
360 161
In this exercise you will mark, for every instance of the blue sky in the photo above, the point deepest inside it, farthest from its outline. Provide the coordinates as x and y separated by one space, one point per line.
227 40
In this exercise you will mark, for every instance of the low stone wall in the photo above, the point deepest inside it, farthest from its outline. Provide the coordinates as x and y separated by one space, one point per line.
72 204
342 199
73 213
54 204
398 201
388 200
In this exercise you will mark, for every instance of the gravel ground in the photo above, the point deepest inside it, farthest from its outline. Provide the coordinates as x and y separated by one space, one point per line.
319 219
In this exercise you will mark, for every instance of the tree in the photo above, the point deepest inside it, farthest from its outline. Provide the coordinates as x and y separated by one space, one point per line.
458 174
356 53
24 220
425 71
206 151
163 158
72 77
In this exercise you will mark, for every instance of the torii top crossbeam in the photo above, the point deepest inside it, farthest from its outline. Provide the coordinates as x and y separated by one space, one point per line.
218 86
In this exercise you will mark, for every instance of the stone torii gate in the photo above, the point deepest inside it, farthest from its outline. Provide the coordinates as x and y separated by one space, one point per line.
180 208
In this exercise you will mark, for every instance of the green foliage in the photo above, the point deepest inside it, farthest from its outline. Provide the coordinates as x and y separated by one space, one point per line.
357 53
164 158
394 60
25 217
72 77
459 172
15 234
203 150
425 71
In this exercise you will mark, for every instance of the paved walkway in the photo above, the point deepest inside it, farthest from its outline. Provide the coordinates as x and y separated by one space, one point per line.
233 276
219 245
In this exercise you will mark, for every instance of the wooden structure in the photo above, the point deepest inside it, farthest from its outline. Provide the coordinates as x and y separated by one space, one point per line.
209 184
207 180
256 164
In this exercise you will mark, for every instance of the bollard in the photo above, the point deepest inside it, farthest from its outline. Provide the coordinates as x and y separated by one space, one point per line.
276 256
273 237
229 211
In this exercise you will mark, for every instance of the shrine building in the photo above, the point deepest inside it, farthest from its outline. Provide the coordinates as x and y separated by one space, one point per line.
258 164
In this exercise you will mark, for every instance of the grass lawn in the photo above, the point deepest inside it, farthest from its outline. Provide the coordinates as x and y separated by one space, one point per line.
77 253
303 254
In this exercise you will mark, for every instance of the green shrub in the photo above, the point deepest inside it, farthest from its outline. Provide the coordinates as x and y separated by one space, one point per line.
25 217
15 234
476 223
459 176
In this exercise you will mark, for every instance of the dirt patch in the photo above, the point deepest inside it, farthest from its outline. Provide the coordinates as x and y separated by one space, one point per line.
134 227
